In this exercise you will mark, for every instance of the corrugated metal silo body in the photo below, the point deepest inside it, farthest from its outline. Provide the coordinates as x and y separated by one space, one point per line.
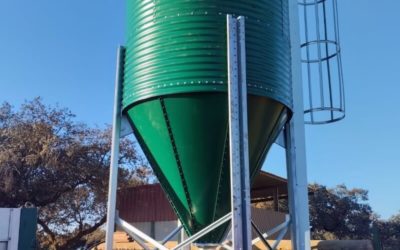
175 95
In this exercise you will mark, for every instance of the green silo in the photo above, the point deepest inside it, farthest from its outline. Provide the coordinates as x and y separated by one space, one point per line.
175 95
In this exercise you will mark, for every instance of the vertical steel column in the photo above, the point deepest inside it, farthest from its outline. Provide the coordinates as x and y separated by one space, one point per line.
182 236
113 180
238 134
295 145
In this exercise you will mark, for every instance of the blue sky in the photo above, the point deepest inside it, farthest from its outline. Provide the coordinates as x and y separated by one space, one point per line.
65 50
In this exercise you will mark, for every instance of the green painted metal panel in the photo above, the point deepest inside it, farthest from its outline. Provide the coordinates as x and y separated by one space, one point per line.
175 95
27 229
266 118
199 130
179 46
151 130
185 138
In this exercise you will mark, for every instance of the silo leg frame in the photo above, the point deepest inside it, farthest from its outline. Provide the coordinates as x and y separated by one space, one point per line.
293 135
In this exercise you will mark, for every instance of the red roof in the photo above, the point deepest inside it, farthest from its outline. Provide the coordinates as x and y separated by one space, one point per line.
149 202
144 203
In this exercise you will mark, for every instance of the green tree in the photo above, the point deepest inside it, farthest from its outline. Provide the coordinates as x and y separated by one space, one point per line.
49 160
335 213
339 213
389 232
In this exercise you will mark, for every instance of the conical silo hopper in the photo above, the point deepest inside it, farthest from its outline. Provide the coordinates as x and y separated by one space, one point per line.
175 95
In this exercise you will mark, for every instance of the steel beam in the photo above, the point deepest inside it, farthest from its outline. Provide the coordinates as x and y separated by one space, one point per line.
116 129
172 234
138 240
295 144
204 231
274 230
260 236
131 229
238 133
279 238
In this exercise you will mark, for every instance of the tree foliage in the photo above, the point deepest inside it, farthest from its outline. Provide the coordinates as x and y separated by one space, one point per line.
60 166
339 213
388 232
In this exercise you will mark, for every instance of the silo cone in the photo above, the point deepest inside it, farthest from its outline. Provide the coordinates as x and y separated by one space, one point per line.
175 96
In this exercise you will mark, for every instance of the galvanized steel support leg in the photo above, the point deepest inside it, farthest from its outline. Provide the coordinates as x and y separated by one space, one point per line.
138 240
238 134
297 187
113 180
295 145
182 236
135 231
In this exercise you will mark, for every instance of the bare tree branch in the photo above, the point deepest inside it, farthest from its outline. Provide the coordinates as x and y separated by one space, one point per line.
46 229
87 231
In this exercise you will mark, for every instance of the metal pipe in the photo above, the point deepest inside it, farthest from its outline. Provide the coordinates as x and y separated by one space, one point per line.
113 179
204 231
310 100
128 227
339 57
279 238
171 235
328 67
260 236
139 240
272 231
321 80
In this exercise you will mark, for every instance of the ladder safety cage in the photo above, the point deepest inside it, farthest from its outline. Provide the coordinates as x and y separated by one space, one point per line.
324 99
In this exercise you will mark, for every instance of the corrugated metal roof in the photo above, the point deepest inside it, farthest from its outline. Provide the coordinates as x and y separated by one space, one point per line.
144 203
265 185
149 203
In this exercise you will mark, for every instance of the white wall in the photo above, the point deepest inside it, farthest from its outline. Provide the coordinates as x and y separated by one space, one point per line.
9 228
160 229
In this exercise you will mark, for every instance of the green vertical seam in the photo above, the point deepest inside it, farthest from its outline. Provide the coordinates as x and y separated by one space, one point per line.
178 161
221 175
221 172
168 190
